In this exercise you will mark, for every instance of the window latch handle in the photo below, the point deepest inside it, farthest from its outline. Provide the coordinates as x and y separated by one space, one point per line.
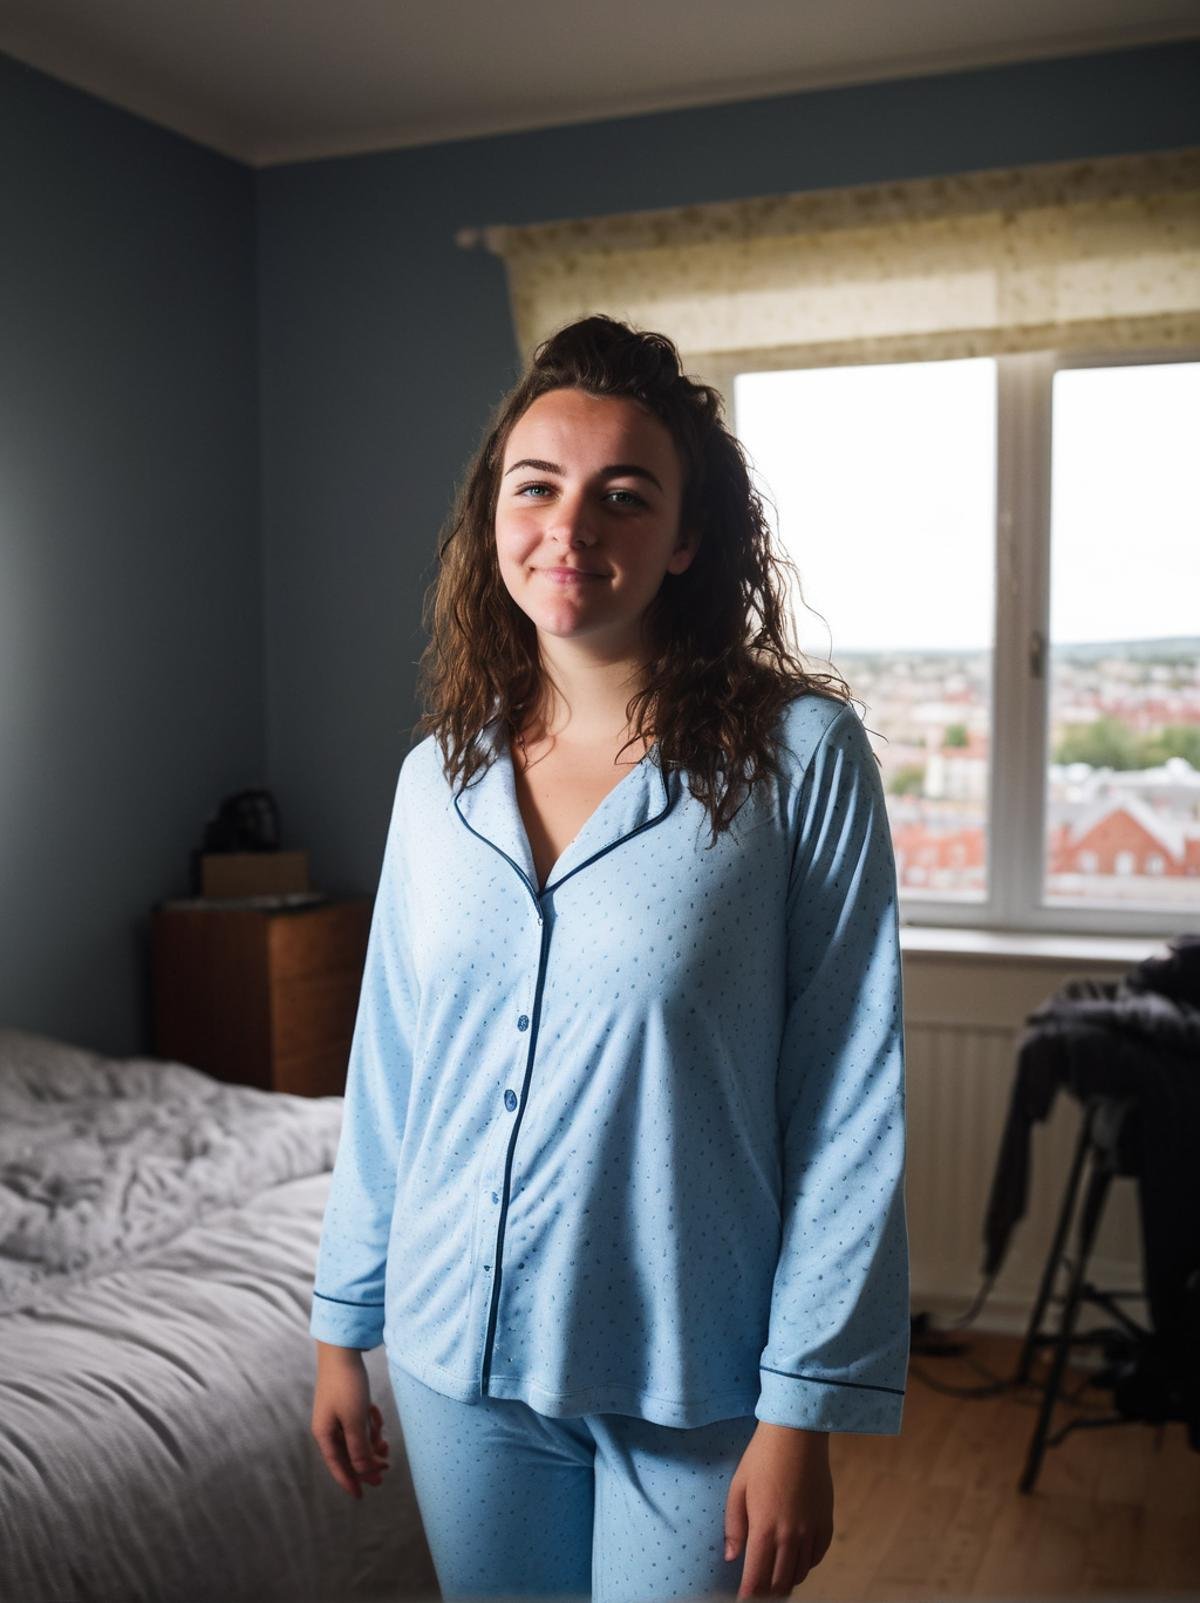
1037 654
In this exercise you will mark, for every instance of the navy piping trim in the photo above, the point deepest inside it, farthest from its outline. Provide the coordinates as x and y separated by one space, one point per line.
604 850
524 877
824 1380
498 1250
346 1303
621 839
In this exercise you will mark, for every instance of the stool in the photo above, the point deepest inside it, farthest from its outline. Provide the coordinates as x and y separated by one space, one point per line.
1110 1139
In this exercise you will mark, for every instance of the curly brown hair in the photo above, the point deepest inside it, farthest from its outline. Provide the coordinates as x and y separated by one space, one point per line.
723 660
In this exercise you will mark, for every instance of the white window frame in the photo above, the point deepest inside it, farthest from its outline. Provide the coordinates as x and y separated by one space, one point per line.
1020 686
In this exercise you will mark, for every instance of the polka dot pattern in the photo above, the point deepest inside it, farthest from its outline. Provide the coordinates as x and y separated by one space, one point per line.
638 1508
634 1143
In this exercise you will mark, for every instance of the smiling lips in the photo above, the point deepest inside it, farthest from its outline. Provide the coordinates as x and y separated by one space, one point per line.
569 575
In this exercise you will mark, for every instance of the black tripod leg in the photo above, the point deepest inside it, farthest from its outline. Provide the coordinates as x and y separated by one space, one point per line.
1025 1362
1092 1207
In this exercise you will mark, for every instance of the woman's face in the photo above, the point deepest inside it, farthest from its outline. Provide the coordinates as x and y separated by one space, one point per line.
587 520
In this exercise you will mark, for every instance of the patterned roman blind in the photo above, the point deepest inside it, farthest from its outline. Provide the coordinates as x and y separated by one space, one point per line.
1064 255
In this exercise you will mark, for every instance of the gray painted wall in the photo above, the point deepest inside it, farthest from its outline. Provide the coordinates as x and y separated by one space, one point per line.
131 644
384 345
145 670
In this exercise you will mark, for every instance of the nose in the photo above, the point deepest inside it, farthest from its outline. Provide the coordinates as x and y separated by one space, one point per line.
572 523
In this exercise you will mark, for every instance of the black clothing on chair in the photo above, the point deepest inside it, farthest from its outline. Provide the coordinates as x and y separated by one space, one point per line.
1136 1038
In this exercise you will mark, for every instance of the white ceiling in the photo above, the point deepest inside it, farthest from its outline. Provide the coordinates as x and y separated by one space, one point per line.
284 80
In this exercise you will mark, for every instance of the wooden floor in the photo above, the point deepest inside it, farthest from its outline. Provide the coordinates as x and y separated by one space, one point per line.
935 1512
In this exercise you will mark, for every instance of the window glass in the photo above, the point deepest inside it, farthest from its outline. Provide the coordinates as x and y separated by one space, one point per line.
880 483
1123 727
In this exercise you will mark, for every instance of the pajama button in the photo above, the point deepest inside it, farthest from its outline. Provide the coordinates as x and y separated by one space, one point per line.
510 1100
523 1022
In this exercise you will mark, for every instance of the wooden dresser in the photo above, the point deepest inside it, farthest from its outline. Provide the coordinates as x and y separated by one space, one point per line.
266 997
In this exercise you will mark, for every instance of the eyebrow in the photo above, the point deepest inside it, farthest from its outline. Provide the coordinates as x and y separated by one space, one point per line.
615 470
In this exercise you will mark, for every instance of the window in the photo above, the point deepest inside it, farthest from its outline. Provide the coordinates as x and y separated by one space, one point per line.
1124 664
1002 557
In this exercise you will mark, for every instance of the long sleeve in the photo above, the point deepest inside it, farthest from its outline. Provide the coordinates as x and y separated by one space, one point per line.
348 1291
836 1357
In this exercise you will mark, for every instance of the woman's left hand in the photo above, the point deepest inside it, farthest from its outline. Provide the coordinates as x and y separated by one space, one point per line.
780 1509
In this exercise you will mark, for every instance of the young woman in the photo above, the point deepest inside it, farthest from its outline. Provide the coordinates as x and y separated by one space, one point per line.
620 1181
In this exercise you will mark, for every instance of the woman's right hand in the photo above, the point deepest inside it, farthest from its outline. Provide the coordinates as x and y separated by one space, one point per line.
348 1427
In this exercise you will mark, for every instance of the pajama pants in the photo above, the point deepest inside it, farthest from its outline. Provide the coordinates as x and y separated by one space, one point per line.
620 1509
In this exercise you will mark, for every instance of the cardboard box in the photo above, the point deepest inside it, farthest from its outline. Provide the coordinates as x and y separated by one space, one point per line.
252 873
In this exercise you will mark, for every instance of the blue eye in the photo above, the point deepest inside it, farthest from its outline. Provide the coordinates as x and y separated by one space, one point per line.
633 497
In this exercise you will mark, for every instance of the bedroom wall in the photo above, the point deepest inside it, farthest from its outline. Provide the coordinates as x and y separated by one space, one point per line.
383 347
131 669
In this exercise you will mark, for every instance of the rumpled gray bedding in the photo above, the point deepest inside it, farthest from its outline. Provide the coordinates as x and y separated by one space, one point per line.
158 1231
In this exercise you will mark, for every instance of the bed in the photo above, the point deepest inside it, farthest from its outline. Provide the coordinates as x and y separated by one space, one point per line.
158 1231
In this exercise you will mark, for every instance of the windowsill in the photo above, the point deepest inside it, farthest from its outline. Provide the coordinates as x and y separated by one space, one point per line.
929 940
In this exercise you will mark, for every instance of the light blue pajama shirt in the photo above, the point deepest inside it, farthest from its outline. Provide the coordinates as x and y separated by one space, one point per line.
634 1143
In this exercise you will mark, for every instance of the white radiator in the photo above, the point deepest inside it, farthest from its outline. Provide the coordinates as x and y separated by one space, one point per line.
960 1072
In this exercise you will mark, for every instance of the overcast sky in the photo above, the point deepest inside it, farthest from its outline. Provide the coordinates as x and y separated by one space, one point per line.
883 479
